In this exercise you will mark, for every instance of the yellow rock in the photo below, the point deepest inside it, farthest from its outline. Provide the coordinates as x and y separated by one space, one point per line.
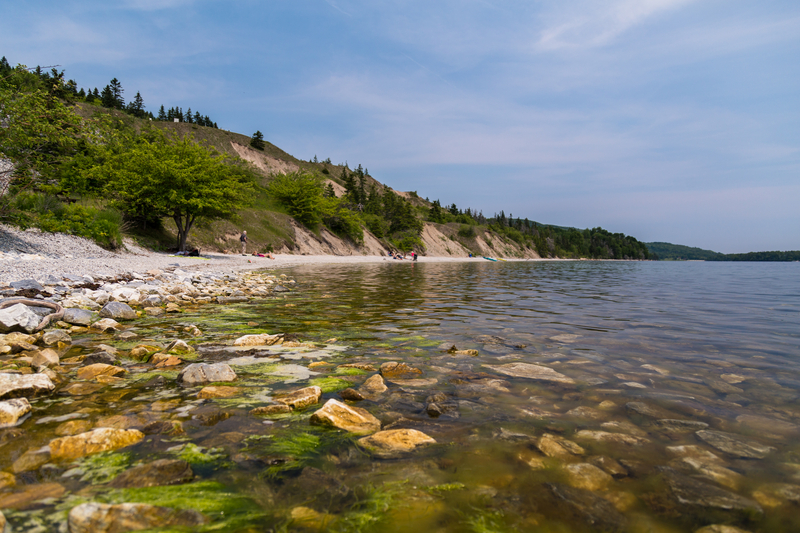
95 441
99 369
395 441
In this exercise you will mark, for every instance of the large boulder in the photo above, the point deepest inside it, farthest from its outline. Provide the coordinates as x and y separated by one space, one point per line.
105 518
353 419
16 385
117 311
27 284
394 442
18 317
11 411
199 373
91 442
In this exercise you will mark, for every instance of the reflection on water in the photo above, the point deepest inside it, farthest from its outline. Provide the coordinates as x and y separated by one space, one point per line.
669 401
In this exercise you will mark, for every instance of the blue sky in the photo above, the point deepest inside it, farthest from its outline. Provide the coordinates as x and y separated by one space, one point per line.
669 120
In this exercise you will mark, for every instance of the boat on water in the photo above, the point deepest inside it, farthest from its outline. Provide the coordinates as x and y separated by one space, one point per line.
489 258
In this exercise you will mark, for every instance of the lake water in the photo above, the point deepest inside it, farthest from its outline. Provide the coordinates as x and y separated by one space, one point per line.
587 396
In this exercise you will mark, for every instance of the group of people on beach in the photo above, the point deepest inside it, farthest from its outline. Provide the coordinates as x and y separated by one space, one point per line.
243 240
398 255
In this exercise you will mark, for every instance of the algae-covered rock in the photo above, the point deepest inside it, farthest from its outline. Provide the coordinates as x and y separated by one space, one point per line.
394 442
31 460
348 418
299 398
11 411
99 369
586 506
117 311
199 373
158 473
531 371
95 441
266 410
105 518
16 385
263 339
179 346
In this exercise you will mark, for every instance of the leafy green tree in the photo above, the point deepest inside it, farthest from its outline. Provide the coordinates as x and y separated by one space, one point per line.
176 178
301 193
257 141
38 134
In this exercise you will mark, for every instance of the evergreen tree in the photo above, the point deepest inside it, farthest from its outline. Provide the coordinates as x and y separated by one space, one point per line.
96 94
136 107
5 68
162 115
189 117
107 97
116 91
257 141
198 119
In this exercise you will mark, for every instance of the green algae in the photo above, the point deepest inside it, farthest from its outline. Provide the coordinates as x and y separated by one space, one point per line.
330 384
349 371
229 510
447 487
371 508
102 467
197 455
170 375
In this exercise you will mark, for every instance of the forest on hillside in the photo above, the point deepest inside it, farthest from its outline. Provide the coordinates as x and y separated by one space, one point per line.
86 162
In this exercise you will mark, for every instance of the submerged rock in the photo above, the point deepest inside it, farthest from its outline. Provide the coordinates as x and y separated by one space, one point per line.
95 441
300 398
11 411
593 510
720 528
342 416
16 385
734 445
104 518
199 373
689 491
555 446
587 476
53 337
394 442
46 358
219 392
158 473
31 495
680 426
531 371
615 438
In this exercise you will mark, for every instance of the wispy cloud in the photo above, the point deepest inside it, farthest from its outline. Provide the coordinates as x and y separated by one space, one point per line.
592 24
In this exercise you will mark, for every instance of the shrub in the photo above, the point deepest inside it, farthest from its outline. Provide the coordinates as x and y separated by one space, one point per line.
467 232
301 194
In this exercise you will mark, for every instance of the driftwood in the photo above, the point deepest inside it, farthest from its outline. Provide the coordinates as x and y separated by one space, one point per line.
57 315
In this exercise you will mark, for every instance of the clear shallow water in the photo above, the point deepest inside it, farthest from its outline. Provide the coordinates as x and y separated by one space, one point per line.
714 344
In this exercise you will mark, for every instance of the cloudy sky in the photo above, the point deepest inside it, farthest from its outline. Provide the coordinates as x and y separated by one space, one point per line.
669 120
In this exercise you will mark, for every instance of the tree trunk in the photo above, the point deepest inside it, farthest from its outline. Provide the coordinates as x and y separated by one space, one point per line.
183 233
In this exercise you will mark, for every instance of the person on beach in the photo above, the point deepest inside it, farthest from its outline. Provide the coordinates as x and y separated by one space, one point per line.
243 240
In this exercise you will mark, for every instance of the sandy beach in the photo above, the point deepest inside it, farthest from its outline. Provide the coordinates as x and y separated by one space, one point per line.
33 254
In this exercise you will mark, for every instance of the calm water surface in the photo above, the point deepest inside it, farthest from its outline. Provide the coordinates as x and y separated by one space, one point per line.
676 406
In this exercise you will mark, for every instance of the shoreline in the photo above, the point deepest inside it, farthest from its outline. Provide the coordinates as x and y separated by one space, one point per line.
33 254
